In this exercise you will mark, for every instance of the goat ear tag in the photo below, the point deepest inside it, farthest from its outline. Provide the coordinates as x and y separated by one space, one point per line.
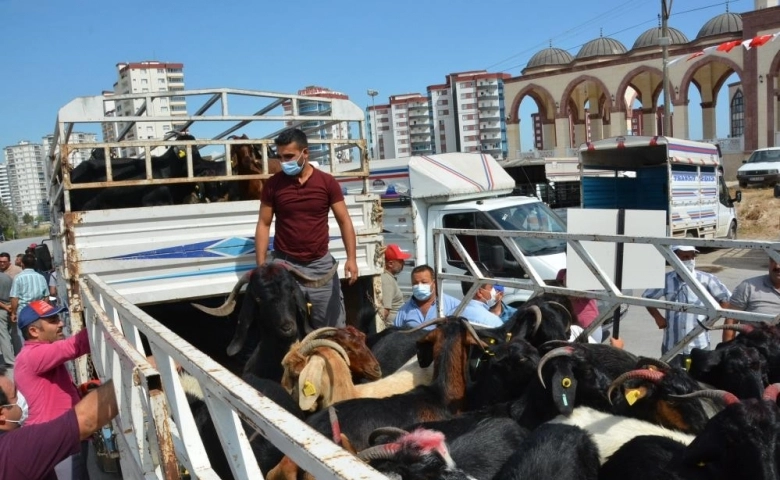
309 389
633 394
182 153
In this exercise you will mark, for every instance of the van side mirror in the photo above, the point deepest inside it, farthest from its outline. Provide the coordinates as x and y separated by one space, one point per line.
738 196
497 258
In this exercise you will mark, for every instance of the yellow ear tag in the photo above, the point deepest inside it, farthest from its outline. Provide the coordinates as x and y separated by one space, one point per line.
632 395
308 307
566 382
309 389
182 154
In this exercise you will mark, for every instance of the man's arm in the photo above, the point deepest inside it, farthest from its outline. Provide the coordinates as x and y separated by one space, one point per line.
348 236
729 334
263 232
14 306
96 409
660 320
47 356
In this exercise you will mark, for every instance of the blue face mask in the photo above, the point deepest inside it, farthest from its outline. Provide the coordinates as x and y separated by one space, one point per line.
421 291
292 168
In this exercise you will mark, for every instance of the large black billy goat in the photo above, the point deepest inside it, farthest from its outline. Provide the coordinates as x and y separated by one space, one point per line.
503 374
739 442
650 393
763 337
571 374
273 315
393 347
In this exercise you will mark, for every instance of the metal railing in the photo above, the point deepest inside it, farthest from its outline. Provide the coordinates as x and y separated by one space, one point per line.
156 430
612 296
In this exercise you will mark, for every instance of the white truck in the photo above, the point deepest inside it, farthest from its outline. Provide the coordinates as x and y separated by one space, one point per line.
682 177
111 263
463 191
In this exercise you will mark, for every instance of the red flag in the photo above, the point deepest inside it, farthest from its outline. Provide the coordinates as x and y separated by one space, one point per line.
697 54
728 46
760 40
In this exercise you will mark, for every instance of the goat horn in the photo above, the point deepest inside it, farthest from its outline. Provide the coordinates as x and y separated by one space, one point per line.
321 342
433 321
230 304
771 392
538 320
378 452
470 329
334 425
395 432
557 352
649 375
311 282
654 362
320 332
727 397
562 308
737 327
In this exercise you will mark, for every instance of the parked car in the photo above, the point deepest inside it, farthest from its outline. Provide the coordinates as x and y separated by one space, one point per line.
762 168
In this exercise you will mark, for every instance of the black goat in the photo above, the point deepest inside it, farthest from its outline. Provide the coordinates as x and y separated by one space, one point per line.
733 366
274 310
649 395
739 442
562 452
393 347
503 374
419 455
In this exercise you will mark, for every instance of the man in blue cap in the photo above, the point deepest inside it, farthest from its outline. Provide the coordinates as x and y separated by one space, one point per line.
497 306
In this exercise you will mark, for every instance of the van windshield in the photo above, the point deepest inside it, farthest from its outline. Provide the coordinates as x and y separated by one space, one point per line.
532 217
764 156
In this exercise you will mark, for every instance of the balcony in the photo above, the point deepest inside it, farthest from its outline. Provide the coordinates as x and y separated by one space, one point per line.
418 113
490 127
488 106
488 95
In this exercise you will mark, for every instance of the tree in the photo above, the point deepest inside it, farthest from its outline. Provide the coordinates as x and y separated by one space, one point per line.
27 219
7 219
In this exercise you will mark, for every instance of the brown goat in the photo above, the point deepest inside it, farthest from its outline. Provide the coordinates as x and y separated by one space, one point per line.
362 362
248 161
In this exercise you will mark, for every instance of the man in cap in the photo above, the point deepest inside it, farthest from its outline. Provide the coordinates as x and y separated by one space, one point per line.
41 375
498 307
677 325
392 298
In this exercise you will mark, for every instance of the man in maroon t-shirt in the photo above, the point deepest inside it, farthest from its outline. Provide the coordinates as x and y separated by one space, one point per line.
31 452
301 197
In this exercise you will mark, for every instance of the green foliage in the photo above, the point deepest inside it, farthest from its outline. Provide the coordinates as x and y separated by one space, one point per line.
7 219
27 219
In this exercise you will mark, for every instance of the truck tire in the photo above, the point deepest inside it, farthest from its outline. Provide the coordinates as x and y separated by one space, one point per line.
732 235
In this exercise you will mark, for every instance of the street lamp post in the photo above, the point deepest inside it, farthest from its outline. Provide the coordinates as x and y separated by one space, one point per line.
664 41
374 139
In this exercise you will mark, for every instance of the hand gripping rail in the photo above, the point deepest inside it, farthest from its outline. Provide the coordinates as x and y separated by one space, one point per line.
612 296
155 427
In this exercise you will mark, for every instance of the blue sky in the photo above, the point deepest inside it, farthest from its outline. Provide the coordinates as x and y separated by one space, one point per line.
55 51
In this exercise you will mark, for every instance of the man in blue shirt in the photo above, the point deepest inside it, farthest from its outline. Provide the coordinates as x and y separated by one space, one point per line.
422 306
677 325
498 307
477 311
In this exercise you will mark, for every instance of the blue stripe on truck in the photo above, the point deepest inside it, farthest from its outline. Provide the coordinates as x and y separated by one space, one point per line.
231 247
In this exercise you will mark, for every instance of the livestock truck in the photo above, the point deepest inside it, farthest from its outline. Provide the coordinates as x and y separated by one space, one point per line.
681 177
466 191
116 265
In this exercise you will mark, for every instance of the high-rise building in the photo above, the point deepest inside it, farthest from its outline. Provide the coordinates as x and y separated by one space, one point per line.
403 127
318 130
5 187
468 113
381 134
26 179
143 77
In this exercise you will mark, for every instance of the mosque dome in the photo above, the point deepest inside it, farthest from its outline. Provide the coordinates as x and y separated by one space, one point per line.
549 57
723 23
600 47
650 38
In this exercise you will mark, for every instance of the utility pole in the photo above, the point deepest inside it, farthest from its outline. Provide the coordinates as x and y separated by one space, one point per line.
664 41
374 139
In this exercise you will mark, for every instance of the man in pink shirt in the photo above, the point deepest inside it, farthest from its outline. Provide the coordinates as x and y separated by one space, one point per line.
40 372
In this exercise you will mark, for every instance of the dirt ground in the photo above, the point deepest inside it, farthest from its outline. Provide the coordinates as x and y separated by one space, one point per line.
758 214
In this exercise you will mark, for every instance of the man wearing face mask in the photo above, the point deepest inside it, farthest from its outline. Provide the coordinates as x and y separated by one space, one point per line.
392 298
477 310
301 197
423 304
677 325
498 307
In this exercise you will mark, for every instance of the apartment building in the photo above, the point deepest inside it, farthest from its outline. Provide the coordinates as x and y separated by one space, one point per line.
24 163
145 77
5 187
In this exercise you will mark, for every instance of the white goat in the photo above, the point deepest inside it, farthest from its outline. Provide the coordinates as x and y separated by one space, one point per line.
610 432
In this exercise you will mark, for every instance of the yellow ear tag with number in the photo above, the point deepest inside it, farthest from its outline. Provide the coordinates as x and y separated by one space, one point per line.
182 154
309 389
632 395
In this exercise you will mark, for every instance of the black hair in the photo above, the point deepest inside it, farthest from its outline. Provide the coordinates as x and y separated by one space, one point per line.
28 260
26 330
292 135
6 255
424 268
